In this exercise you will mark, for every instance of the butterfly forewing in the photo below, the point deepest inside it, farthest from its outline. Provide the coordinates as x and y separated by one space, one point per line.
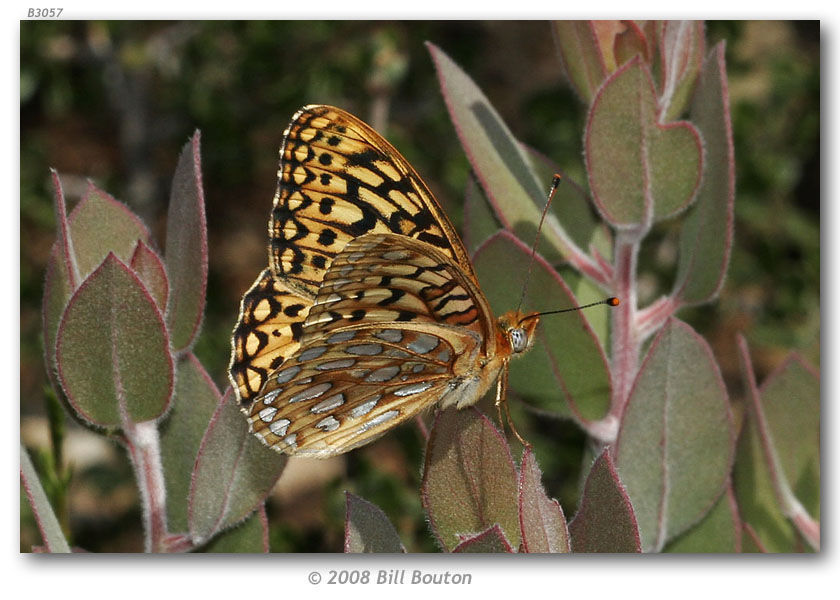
393 330
338 180
269 331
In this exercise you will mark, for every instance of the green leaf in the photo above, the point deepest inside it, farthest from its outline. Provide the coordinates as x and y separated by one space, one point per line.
233 474
469 479
186 248
249 537
48 525
639 169
96 226
581 56
490 541
501 165
100 225
681 48
113 349
566 371
367 529
675 445
479 221
719 531
541 518
706 236
604 521
790 401
193 404
149 268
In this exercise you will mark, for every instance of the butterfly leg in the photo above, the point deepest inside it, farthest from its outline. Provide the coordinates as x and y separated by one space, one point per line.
501 399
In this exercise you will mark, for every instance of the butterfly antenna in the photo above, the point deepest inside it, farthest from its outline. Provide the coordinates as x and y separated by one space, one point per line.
554 184
611 301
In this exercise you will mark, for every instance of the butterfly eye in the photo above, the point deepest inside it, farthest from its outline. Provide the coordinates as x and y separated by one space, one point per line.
518 339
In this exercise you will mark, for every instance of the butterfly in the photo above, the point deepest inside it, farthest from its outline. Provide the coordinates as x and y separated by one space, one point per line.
369 311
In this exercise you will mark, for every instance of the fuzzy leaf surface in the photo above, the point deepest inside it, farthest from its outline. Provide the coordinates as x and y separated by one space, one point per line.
718 532
681 48
113 349
249 537
490 541
100 225
790 401
193 405
639 170
186 248
546 376
97 225
706 234
604 521
501 165
149 268
51 533
541 518
581 55
233 474
675 446
469 479
367 528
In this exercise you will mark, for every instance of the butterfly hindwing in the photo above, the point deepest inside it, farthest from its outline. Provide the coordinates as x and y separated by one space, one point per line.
393 330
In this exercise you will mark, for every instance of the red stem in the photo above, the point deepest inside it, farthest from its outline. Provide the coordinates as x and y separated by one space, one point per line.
625 335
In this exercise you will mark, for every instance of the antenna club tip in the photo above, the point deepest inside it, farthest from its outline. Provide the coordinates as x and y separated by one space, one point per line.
613 301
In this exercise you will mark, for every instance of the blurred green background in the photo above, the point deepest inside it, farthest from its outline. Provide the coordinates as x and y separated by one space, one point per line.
114 102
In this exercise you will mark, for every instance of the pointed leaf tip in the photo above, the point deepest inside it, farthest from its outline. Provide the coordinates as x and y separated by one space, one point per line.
367 529
112 349
186 248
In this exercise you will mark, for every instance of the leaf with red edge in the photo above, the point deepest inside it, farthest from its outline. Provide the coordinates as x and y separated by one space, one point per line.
469 479
640 170
682 45
604 521
779 455
540 517
501 165
706 235
490 541
233 474
719 531
249 537
112 349
547 375
193 404
675 445
48 525
186 248
367 529
634 40
100 225
582 56
149 267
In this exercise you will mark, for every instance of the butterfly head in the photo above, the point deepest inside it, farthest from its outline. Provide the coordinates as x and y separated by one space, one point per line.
518 328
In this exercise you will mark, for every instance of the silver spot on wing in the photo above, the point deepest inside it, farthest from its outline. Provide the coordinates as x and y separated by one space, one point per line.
310 393
365 408
279 427
327 405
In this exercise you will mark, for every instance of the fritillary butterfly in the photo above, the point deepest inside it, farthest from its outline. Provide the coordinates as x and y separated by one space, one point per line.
369 311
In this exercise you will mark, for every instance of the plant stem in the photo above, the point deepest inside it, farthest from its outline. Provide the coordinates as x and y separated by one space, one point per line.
143 445
625 335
